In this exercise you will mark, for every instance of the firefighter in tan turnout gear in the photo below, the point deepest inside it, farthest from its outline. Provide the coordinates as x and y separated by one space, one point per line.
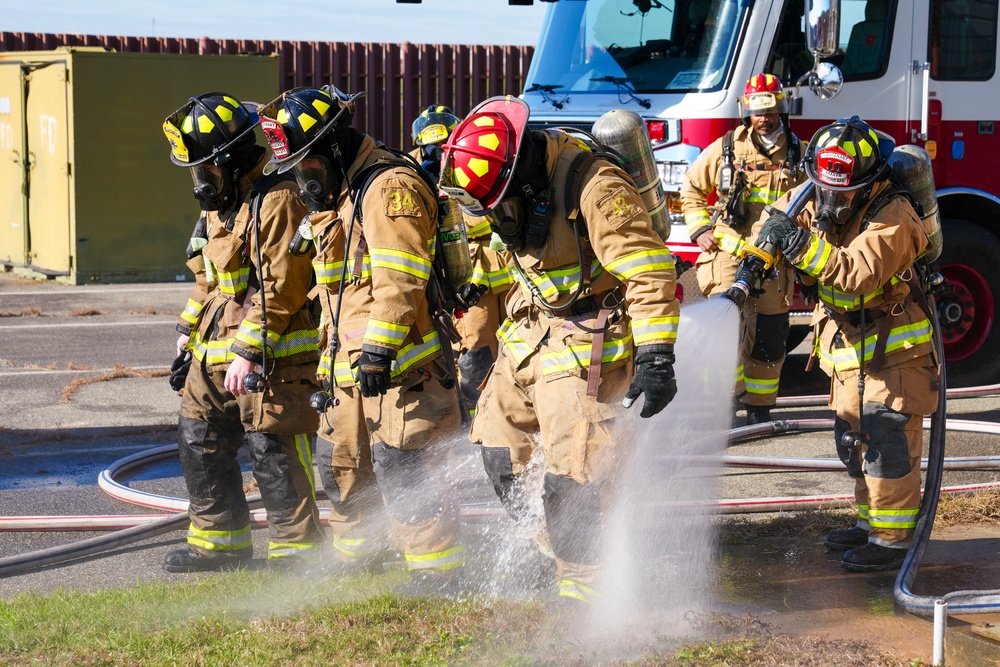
250 219
748 168
477 325
391 399
858 240
595 283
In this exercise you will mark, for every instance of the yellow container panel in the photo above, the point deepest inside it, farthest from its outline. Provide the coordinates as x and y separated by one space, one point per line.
104 203
13 230
134 208
49 246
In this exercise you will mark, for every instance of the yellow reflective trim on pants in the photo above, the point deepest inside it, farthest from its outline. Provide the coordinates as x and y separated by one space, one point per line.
291 549
303 446
760 387
220 540
574 589
448 559
519 349
351 547
898 519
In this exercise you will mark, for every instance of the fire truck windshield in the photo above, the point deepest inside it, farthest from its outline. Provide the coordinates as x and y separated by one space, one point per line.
643 46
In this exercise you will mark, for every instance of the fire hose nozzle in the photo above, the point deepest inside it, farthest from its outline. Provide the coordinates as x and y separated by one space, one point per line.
738 293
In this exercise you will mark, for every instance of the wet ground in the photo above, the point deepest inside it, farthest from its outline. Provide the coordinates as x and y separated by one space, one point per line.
52 450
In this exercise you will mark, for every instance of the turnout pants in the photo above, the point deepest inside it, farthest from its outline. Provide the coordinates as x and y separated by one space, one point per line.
384 456
211 429
764 327
886 469
521 409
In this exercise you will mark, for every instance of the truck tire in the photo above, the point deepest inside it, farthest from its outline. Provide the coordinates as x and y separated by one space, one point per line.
971 263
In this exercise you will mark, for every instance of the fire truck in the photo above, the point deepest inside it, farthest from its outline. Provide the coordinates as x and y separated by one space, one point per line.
924 71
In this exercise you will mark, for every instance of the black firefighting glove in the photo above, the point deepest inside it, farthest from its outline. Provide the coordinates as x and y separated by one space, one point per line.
654 377
783 233
374 373
179 370
468 295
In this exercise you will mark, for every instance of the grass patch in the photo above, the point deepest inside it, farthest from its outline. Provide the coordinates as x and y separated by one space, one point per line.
23 312
118 372
260 618
977 507
86 311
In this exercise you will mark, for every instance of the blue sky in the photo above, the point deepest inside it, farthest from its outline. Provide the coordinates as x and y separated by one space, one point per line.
431 22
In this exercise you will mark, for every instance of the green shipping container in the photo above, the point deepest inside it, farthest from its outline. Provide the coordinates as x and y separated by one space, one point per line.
87 189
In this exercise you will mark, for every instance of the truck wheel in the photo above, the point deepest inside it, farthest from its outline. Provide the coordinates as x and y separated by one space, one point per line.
971 263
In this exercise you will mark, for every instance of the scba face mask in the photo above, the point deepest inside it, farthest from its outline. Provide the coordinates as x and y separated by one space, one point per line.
316 178
833 209
213 186
508 220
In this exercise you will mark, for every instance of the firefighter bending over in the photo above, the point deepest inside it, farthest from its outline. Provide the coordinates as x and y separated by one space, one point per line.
593 281
477 325
373 222
748 168
250 219
859 240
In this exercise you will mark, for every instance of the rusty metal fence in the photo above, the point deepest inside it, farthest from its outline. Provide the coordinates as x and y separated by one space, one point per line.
400 79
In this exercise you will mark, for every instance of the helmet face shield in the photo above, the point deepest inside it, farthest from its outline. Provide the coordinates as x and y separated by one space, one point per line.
433 125
206 127
481 154
763 95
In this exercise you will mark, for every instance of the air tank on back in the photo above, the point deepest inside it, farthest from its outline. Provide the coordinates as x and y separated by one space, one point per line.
454 243
911 167
624 133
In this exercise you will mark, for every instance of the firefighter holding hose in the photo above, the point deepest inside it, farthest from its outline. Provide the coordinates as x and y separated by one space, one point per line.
861 242
594 297
748 168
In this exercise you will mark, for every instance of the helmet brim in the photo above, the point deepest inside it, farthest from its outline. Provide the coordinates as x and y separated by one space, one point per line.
254 118
886 144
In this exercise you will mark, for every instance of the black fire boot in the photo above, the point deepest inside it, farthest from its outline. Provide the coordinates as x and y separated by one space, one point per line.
758 414
873 558
187 559
843 539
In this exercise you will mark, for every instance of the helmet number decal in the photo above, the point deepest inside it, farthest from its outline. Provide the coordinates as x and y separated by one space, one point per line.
834 166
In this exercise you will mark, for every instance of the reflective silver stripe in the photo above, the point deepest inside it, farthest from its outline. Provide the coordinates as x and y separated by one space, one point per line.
351 547
574 589
655 329
640 262
400 260
447 559
578 356
386 333
292 550
410 355
220 540
284 345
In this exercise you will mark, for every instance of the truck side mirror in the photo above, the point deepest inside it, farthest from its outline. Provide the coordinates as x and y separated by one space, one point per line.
823 27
